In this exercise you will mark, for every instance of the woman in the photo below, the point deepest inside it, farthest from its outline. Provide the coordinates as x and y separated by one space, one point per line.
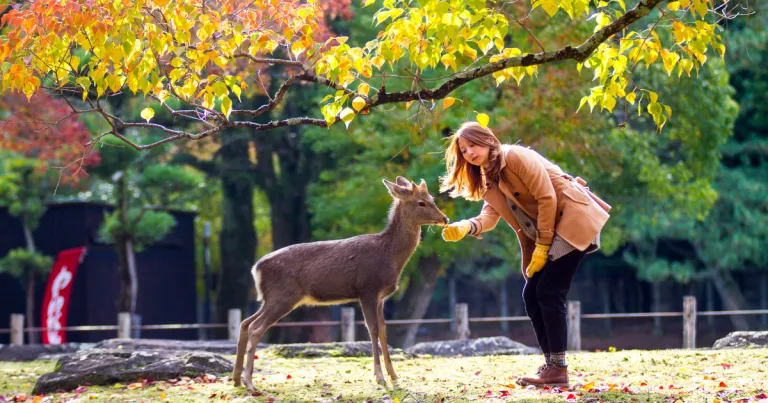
557 221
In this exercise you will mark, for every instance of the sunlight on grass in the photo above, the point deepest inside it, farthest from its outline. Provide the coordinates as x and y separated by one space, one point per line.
622 376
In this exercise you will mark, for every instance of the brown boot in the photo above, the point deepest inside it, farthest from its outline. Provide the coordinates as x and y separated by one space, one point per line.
552 375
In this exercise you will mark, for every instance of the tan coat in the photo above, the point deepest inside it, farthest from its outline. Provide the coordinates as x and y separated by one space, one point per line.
556 201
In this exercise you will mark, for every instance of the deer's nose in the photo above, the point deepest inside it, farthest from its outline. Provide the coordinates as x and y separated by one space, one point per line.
445 219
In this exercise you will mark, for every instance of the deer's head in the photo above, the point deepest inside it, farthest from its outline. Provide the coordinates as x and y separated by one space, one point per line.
416 204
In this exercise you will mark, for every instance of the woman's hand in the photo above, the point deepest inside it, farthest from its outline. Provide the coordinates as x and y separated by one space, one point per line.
456 231
538 260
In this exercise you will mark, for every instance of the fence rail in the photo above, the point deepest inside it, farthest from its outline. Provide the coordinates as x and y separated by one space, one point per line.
125 325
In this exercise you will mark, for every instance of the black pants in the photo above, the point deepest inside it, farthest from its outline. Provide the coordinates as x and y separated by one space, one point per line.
544 295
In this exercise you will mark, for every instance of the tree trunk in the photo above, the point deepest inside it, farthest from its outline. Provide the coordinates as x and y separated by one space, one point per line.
133 276
415 301
124 297
33 337
732 298
238 241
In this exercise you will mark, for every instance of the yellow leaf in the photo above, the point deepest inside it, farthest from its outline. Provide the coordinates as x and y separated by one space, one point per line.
654 97
363 89
298 48
582 102
670 59
408 104
448 101
588 386
674 5
483 119
449 60
631 97
147 113
685 3
358 103
368 3
550 6
226 106
347 115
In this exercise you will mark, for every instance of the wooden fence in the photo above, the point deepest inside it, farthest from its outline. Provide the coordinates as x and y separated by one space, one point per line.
347 324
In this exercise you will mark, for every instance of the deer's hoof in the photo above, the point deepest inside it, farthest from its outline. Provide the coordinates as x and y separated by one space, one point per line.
381 381
250 388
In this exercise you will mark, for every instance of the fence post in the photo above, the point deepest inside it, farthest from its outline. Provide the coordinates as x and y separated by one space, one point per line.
124 325
234 317
462 321
347 324
574 325
689 322
17 328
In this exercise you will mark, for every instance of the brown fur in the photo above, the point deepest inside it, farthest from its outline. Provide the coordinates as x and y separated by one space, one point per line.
364 268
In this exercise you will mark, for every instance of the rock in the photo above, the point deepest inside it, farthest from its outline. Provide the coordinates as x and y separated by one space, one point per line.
742 339
30 352
106 367
228 347
342 349
473 347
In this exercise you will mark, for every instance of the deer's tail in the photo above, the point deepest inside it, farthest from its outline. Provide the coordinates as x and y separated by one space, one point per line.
257 279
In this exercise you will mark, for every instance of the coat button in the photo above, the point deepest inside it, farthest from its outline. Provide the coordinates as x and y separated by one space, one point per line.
527 224
514 207
517 194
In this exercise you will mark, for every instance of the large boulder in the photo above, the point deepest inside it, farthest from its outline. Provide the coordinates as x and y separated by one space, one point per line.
473 347
227 347
742 339
106 367
31 352
312 350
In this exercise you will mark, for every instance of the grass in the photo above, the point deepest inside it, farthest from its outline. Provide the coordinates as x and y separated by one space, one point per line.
623 376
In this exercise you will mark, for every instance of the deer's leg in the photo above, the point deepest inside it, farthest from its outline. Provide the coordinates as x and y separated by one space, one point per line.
383 340
371 313
272 313
242 342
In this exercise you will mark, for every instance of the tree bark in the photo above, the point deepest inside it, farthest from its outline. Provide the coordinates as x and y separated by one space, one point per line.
238 241
415 301
732 298
33 337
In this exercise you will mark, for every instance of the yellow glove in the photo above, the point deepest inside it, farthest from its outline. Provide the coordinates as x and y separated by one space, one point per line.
538 260
456 231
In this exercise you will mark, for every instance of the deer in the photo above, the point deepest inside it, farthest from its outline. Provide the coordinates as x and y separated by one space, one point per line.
364 268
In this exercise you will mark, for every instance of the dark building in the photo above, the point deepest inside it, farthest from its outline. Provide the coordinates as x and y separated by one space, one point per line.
166 272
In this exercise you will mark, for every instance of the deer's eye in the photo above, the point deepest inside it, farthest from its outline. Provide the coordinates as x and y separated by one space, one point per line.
422 204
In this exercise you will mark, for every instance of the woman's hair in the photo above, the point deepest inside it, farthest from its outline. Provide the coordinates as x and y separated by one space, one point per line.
462 178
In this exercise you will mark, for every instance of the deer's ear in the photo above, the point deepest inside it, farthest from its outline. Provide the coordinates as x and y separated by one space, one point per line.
403 182
396 190
423 186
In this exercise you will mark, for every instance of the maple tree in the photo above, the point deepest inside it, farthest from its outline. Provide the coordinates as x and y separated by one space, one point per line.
207 55
44 128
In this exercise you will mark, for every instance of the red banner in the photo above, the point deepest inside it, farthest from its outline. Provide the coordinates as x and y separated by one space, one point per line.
56 299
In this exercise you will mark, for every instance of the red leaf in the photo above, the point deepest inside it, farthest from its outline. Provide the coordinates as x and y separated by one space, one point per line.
643 384
504 393
256 394
81 389
477 373
722 384
725 365
761 396
464 389
288 377
213 396
570 397
255 357
661 387
489 393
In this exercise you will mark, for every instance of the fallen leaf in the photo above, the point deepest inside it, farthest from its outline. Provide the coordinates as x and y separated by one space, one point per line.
477 373
588 386
761 396
255 357
725 365
80 389
288 377
571 398
93 396
722 385
643 384
213 396
163 396
20 397
256 394
136 385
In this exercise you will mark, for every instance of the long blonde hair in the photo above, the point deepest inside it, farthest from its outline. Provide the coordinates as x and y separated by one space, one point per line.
462 178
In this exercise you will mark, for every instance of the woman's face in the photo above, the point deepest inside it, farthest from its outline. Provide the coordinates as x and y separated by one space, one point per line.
475 154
